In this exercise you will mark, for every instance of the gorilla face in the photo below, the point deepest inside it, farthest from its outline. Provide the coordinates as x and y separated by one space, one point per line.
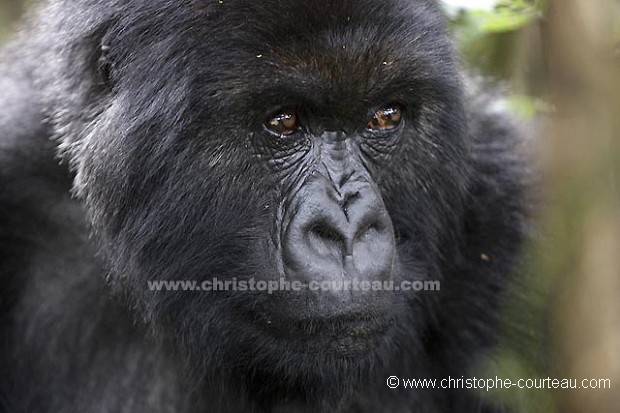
305 141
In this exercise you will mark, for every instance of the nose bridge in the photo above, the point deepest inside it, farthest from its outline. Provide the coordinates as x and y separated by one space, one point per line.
340 161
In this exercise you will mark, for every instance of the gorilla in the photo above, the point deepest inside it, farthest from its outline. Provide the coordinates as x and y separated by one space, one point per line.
308 143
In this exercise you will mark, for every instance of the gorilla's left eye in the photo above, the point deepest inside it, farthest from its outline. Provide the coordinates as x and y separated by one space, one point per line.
282 123
385 118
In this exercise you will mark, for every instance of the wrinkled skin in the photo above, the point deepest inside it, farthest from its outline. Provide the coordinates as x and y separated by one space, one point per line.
239 140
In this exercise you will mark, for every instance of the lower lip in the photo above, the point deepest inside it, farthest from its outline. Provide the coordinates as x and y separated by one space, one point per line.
339 331
357 337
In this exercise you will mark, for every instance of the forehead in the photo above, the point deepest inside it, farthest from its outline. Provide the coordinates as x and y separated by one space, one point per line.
334 53
335 47
356 32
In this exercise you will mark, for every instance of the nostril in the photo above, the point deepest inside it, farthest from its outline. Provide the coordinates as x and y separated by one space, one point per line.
325 239
326 233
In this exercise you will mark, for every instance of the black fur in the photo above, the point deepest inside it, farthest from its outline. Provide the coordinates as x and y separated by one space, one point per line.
127 153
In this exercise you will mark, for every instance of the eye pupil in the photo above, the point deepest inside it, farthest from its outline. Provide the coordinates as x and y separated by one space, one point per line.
283 123
386 118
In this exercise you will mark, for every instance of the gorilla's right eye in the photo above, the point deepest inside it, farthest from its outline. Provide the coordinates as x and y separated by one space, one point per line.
282 123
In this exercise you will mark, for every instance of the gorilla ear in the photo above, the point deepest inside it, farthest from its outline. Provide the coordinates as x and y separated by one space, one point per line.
104 67
99 58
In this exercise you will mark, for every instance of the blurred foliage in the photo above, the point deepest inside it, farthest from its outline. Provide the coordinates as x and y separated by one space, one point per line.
10 10
491 42
506 15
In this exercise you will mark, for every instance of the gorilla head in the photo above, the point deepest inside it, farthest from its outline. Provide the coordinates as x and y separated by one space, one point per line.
317 142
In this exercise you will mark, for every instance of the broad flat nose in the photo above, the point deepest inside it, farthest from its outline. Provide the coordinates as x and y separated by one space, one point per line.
347 235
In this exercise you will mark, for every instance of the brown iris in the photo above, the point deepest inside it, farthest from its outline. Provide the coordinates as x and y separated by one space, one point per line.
283 123
385 118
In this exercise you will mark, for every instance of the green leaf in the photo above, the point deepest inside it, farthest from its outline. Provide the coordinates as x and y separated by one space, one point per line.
502 20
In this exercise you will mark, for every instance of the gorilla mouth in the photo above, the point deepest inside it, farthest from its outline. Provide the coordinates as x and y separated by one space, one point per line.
360 336
343 336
